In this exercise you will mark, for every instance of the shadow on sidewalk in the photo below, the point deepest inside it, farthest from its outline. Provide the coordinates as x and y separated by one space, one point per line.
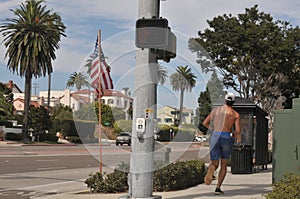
251 191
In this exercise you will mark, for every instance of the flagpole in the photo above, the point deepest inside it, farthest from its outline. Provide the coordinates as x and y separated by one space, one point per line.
99 103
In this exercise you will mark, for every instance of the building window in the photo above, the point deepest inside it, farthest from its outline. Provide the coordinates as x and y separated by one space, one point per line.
175 112
185 114
168 120
110 101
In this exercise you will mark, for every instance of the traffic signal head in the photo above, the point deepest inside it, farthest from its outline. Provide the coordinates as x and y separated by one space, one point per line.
170 51
151 33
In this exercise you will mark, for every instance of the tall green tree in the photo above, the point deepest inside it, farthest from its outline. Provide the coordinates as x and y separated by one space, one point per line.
291 88
6 101
204 108
255 54
90 112
79 80
106 113
182 80
87 112
62 120
5 107
214 90
31 38
215 87
9 96
39 119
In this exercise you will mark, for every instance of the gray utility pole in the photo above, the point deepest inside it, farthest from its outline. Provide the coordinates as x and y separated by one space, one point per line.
140 178
35 86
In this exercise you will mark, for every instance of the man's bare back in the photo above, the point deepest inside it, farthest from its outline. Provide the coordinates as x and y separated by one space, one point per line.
223 118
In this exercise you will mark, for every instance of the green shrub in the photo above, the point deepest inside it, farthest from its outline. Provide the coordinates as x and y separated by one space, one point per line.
41 137
74 139
51 137
176 176
7 124
177 135
179 175
164 132
13 136
85 129
122 126
184 135
287 188
109 183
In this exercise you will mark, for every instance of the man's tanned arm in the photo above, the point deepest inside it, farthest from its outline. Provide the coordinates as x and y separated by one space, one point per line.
206 122
237 125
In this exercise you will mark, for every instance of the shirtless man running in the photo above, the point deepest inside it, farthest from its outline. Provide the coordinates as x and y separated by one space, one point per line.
222 120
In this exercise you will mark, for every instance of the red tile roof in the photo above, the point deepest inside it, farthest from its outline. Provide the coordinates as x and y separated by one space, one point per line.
83 91
34 103
108 93
77 97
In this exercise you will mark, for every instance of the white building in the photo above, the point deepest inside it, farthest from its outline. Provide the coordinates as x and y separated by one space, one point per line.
80 98
73 99
76 99
56 98
118 99
168 115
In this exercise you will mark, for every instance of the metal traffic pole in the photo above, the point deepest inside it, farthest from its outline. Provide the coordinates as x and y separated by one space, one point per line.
140 179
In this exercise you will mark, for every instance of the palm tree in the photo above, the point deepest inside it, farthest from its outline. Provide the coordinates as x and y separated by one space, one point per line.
31 39
162 74
49 90
88 64
183 79
78 80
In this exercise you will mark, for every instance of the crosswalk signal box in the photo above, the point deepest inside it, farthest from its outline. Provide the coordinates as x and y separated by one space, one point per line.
151 33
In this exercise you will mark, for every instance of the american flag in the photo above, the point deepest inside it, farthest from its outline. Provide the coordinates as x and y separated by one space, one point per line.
100 71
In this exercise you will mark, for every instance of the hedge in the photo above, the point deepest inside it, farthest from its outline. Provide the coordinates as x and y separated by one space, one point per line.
175 176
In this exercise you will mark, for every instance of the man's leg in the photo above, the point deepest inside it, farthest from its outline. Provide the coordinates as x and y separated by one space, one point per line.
215 154
210 171
222 172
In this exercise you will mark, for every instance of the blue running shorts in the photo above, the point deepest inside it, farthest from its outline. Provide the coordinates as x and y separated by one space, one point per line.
220 145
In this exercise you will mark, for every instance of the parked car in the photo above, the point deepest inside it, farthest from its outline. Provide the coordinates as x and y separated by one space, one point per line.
123 138
200 139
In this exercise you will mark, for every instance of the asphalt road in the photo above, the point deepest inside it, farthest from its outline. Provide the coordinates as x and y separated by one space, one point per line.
37 171
31 158
45 163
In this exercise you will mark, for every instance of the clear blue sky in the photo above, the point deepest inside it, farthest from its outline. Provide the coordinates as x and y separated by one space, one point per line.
116 19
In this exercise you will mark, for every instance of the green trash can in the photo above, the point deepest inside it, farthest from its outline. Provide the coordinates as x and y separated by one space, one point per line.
241 159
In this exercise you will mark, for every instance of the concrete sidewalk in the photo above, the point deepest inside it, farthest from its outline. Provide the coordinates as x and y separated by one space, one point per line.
238 186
